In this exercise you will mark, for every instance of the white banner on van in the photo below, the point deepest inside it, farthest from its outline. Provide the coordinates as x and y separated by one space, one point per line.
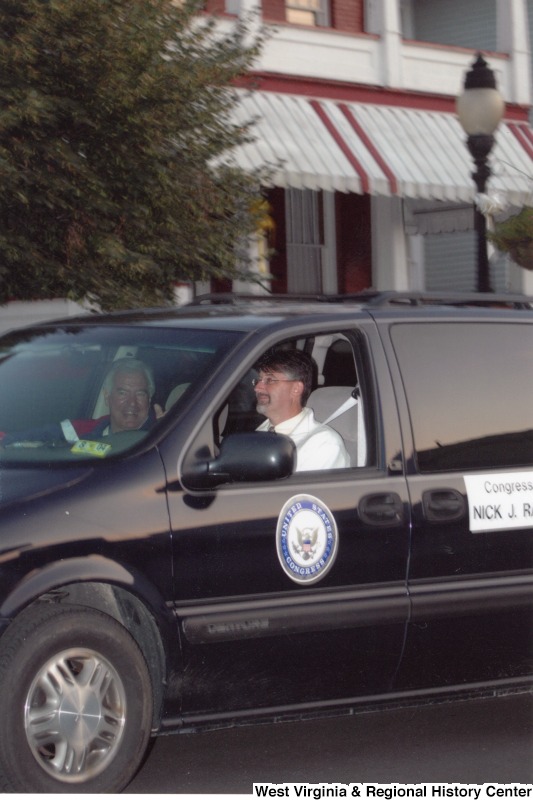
498 502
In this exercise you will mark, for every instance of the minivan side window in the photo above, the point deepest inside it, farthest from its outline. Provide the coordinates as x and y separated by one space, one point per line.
470 392
337 396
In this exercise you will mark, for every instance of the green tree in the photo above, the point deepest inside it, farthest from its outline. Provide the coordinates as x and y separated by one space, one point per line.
114 126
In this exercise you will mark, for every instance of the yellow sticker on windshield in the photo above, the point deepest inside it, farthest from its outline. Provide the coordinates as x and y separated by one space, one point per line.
99 449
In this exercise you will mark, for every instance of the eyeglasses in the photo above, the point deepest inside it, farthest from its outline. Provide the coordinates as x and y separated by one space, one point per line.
269 381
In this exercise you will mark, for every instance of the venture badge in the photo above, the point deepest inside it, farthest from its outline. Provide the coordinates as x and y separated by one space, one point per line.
306 538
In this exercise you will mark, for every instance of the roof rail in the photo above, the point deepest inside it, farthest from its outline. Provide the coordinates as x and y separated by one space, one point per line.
374 299
487 299
236 298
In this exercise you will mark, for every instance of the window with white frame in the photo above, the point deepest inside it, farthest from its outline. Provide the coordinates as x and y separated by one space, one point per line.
232 7
307 12
305 240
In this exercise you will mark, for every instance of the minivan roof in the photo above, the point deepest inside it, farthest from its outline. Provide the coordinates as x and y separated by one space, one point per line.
249 311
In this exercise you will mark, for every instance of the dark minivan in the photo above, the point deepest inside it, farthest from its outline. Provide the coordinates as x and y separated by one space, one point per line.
181 574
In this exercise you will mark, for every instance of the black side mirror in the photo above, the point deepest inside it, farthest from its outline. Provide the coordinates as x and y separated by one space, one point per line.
245 457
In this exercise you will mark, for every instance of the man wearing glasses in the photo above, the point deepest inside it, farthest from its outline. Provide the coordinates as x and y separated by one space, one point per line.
282 390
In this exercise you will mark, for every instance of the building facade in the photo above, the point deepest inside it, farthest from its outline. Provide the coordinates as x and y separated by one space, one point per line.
370 179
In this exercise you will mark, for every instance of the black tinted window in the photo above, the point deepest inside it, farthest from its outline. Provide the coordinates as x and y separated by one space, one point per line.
470 393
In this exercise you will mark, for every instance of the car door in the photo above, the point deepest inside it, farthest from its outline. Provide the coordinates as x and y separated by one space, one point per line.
468 427
259 635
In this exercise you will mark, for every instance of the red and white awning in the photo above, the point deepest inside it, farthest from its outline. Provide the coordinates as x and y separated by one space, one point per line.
377 149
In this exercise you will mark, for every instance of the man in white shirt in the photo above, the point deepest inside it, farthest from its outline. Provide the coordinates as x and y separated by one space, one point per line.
282 389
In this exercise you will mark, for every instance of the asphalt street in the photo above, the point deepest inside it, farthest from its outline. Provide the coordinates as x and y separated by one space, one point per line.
473 741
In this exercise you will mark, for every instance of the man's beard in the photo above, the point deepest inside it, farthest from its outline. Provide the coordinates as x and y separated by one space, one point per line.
262 406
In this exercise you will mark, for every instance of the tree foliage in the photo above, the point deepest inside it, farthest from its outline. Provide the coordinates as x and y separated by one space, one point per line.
114 124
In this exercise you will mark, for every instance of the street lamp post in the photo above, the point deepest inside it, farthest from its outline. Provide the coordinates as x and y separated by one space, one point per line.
480 108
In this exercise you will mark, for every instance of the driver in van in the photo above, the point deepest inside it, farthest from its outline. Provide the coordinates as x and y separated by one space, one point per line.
282 390
128 389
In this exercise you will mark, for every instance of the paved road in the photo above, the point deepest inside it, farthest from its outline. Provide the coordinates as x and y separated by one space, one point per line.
479 741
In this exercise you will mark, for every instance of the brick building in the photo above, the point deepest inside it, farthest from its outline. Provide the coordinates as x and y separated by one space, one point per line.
371 177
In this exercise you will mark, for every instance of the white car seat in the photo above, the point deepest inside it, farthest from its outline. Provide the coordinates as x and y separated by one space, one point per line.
337 407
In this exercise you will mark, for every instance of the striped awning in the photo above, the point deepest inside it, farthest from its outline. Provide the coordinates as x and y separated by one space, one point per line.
377 149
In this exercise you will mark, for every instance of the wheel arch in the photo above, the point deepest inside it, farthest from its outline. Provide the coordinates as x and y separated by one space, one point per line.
114 590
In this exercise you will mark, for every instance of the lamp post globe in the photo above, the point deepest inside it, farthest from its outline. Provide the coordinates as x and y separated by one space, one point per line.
480 108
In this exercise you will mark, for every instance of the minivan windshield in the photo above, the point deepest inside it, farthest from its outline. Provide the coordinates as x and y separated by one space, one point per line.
74 392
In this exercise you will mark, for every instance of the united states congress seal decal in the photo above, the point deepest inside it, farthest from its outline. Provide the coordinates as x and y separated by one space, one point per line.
306 538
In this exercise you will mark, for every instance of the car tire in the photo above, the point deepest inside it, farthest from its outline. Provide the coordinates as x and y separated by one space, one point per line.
75 702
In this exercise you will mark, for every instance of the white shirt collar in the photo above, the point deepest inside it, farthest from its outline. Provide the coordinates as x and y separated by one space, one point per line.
288 425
